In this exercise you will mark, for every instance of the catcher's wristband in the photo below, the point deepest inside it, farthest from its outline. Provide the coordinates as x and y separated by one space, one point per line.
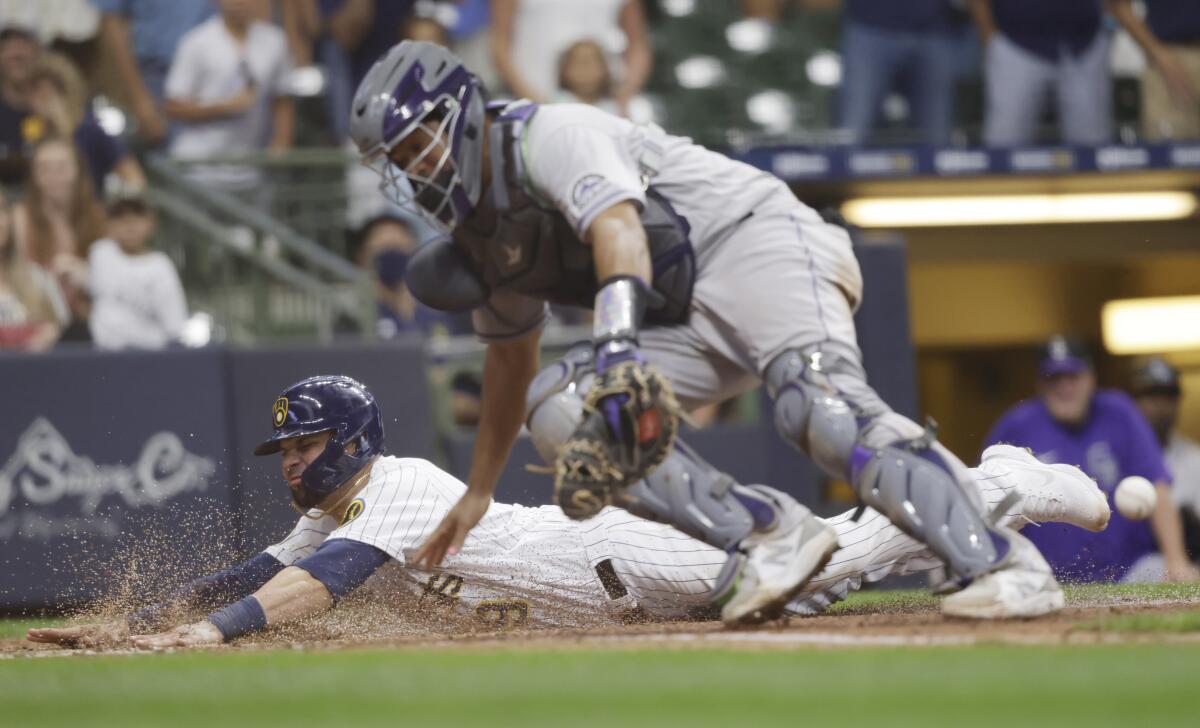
239 618
620 307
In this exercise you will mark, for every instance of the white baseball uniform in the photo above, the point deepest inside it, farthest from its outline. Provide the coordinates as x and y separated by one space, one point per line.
535 566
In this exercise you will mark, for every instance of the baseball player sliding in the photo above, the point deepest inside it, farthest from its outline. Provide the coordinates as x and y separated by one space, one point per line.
366 514
707 278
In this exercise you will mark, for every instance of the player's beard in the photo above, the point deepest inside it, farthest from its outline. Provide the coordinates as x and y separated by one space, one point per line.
304 498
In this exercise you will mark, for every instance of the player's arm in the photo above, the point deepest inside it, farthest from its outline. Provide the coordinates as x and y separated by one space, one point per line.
1167 525
508 369
204 593
619 245
314 585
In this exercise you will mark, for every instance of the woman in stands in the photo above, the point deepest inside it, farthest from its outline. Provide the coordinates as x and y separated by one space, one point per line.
32 310
58 97
58 220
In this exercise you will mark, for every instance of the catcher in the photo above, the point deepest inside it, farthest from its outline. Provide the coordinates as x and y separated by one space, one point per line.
707 277
365 514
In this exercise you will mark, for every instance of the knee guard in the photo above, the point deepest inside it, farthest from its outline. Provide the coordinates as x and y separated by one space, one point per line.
825 408
684 491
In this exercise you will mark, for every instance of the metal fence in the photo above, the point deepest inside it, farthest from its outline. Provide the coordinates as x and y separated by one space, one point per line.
272 271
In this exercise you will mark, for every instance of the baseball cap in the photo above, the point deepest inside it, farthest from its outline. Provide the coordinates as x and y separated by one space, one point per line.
1155 376
1063 355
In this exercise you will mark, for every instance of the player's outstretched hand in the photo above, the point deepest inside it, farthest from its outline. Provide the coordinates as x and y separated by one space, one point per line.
200 634
104 634
450 534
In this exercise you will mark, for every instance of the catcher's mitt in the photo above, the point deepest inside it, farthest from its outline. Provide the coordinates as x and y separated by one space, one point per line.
629 425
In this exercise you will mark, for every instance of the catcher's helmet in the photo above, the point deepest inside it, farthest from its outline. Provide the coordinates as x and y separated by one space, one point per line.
327 404
419 85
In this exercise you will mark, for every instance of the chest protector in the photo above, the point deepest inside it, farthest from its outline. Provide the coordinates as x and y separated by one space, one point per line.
533 250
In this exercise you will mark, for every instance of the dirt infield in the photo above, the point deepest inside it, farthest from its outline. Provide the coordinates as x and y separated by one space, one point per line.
877 625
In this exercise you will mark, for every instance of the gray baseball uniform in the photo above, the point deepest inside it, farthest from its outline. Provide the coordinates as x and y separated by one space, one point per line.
770 275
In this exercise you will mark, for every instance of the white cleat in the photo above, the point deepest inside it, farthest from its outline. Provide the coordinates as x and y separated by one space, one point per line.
1050 492
778 563
1023 587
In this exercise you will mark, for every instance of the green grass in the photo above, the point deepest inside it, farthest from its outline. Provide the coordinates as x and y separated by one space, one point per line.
1146 622
984 686
502 684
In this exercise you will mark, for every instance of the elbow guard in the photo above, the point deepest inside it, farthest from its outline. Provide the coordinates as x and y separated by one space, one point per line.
343 565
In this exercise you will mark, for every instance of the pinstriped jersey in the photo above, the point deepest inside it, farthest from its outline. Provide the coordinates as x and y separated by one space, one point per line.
519 565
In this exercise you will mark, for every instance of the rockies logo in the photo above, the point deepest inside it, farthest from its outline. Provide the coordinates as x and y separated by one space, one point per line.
279 411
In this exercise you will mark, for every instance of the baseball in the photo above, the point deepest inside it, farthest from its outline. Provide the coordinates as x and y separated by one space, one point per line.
1135 497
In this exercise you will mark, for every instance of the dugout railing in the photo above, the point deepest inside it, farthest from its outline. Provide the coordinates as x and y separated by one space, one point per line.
259 273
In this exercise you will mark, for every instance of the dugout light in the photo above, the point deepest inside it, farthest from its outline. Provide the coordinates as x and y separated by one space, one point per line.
899 212
1152 325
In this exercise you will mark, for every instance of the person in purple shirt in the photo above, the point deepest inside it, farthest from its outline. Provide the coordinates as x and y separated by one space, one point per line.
1102 432
887 43
1033 47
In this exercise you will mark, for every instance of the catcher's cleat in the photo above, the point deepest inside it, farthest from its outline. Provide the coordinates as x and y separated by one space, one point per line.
1050 493
775 564
1023 586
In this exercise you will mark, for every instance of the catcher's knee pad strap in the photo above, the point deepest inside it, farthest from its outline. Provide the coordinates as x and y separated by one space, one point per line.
824 406
698 499
913 485
554 402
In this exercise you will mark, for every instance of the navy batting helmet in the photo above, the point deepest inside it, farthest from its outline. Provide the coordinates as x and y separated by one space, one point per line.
327 404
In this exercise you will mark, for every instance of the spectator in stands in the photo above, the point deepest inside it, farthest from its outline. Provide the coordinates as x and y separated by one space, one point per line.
137 299
424 27
354 34
1170 36
1033 47
366 202
59 101
1156 390
470 39
140 37
885 44
386 244
32 309
19 54
583 76
57 220
529 37
228 89
1103 433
